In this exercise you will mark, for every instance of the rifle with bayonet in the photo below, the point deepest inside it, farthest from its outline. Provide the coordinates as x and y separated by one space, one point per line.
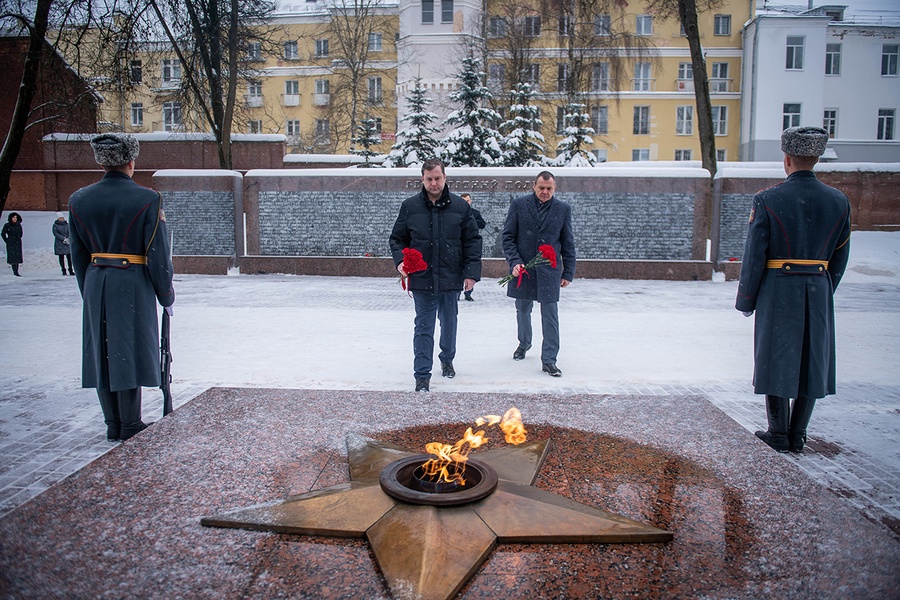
165 364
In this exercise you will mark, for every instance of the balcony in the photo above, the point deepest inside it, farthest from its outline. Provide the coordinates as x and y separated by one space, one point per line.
321 99
291 99
643 84
719 86
253 101
684 85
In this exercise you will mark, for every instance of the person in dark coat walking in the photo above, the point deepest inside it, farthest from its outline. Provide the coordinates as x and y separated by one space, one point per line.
534 220
440 225
797 249
61 245
12 235
479 220
120 250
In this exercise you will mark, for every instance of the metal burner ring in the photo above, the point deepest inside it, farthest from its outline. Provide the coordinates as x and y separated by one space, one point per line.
396 480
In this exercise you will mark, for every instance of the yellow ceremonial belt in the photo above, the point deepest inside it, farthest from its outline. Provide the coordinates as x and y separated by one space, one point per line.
785 263
134 259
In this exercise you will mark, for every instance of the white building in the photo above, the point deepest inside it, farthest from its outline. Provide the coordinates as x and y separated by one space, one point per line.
825 67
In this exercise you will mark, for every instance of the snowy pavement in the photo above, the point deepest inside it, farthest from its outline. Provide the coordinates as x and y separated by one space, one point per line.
618 337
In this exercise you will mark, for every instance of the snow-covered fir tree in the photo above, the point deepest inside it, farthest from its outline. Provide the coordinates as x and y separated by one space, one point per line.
367 136
417 141
573 150
522 143
473 141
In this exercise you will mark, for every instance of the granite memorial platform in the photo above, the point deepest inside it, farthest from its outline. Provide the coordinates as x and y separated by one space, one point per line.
746 523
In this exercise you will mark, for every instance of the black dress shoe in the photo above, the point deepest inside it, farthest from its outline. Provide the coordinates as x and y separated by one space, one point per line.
519 354
447 370
552 369
468 297
422 385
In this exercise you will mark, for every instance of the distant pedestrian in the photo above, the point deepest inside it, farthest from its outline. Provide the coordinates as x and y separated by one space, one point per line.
797 249
61 246
479 220
535 220
12 235
438 225
120 250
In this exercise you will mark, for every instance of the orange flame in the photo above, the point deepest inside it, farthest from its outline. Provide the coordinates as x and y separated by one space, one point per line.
449 462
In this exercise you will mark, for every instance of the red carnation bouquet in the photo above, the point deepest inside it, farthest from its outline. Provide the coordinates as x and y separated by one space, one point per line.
412 263
546 256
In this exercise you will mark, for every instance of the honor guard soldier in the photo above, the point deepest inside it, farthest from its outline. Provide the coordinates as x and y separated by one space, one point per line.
120 251
796 252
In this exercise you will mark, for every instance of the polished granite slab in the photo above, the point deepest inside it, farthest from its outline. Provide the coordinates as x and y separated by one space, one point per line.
747 523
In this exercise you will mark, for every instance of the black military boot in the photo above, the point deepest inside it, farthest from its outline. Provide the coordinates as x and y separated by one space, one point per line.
777 414
109 404
15 269
800 415
130 413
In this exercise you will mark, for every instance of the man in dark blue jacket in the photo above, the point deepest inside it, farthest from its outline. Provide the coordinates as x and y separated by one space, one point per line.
440 225
534 220
796 252
120 251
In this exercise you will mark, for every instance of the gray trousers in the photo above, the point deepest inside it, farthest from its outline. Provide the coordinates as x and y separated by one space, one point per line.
549 328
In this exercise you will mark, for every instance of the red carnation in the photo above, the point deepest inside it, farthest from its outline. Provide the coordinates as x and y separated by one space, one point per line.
413 261
549 253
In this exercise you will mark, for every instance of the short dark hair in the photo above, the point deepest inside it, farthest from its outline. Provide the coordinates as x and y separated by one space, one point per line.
544 175
432 163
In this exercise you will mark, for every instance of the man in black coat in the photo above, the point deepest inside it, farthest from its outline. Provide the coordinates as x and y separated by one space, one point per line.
479 220
120 251
440 225
534 220
796 252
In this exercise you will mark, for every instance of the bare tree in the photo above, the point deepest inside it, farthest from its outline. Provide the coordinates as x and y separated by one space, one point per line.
686 11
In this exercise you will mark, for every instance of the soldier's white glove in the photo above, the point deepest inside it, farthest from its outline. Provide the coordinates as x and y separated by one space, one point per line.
747 313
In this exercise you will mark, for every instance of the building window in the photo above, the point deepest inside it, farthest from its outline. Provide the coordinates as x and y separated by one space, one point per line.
323 131
642 77
254 51
378 124
829 121
496 75
427 11
794 54
640 154
532 75
497 27
832 59
684 120
292 127
600 154
375 94
643 24
292 87
685 70
446 11
600 119
254 94
720 156
171 73
885 124
562 77
600 77
719 80
720 120
375 42
601 25
171 116
641 120
137 72
321 48
561 121
533 26
137 114
790 116
290 51
889 55
565 25
683 154
254 126
323 86
722 25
